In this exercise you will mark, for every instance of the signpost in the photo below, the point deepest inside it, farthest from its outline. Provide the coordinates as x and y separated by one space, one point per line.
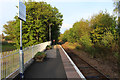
22 17
21 11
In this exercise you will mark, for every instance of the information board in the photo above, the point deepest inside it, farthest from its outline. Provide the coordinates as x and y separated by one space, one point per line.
21 11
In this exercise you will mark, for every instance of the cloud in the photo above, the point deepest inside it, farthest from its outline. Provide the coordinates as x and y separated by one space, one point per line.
65 27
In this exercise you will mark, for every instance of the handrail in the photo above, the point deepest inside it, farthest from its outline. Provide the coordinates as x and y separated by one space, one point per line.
10 59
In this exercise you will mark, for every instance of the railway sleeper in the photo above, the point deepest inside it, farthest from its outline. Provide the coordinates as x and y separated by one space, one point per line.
85 67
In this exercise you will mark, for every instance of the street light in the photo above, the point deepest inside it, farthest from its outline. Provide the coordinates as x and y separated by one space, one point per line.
50 32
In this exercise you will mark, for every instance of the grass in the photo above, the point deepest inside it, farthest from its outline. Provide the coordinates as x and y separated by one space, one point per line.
73 45
8 46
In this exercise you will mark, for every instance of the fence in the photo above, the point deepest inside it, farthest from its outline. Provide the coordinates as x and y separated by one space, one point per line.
10 60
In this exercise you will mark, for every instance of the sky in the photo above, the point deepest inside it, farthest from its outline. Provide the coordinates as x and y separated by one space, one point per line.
72 10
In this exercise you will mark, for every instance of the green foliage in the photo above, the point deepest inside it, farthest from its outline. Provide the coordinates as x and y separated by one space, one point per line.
116 54
79 29
78 47
39 15
91 50
86 41
116 10
71 36
40 53
9 30
98 35
8 46
65 36
61 37
107 39
8 38
100 24
49 46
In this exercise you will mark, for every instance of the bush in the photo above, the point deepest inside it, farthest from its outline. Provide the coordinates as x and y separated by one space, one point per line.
78 47
116 54
48 47
91 50
4 43
40 54
8 38
87 43
107 39
115 47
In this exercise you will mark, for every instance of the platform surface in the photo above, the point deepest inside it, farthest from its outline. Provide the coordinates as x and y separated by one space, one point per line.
55 66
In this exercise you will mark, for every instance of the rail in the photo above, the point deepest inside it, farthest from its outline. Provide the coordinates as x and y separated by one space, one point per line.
10 59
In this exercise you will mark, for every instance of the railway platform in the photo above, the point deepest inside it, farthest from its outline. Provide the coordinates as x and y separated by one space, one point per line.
57 65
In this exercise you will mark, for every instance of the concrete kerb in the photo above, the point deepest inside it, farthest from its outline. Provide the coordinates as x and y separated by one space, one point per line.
77 70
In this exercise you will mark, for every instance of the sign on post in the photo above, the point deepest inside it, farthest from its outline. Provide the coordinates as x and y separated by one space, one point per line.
21 11
22 17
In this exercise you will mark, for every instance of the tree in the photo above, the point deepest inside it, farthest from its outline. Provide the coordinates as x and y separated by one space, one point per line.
100 24
117 11
9 30
35 30
79 29
3 36
29 0
107 40
65 36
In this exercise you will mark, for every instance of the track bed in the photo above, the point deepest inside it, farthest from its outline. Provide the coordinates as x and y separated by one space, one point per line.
90 72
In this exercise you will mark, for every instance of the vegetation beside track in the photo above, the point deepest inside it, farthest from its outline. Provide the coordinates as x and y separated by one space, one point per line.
97 36
108 66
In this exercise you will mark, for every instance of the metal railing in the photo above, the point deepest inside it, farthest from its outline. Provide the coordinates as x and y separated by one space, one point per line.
10 59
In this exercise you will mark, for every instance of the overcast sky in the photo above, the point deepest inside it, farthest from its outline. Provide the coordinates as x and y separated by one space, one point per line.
72 10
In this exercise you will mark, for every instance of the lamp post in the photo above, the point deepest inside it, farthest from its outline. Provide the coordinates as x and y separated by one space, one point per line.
21 53
50 32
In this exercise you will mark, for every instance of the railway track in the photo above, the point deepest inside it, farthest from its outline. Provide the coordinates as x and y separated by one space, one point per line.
90 72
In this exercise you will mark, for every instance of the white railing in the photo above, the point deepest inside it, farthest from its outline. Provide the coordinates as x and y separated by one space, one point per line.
10 60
